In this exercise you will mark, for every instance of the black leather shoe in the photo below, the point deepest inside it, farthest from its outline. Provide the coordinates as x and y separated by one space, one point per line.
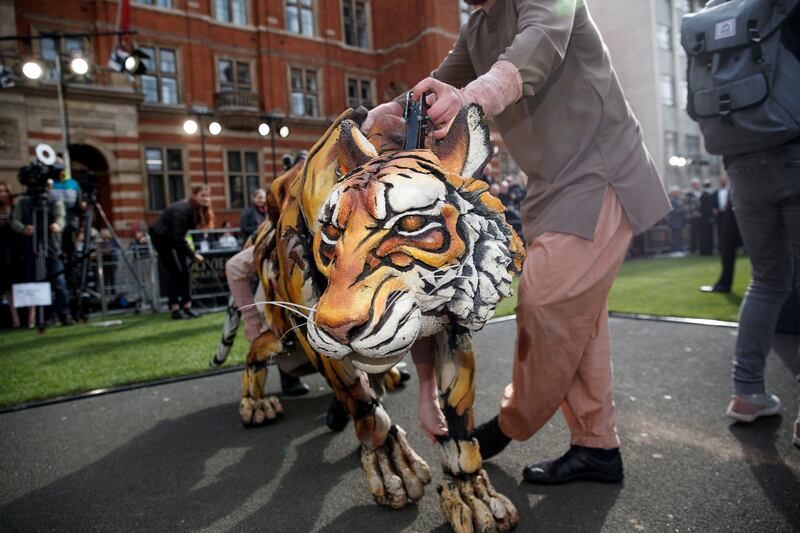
337 417
578 464
191 313
715 288
292 386
178 315
491 438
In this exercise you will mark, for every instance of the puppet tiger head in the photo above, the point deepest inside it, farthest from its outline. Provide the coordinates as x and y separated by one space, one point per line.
408 242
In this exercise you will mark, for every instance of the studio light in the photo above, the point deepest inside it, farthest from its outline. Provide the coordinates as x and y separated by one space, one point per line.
214 128
79 65
263 129
190 126
283 132
32 70
131 63
128 62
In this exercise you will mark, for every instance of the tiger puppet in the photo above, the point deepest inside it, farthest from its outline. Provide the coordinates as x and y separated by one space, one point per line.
361 255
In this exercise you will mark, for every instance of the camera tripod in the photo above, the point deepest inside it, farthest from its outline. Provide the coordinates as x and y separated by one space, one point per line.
85 257
41 248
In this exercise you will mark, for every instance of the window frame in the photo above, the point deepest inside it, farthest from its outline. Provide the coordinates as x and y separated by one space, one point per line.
360 81
165 173
367 24
160 75
49 65
319 91
229 12
155 3
243 173
298 4
237 87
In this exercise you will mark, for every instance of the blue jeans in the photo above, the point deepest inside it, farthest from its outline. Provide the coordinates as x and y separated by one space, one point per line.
766 197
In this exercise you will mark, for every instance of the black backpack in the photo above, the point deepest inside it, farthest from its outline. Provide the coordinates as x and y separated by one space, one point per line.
744 73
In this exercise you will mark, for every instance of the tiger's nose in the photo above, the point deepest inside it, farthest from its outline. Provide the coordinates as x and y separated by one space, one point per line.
340 332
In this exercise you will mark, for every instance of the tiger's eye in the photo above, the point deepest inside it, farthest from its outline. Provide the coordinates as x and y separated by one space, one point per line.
331 232
410 223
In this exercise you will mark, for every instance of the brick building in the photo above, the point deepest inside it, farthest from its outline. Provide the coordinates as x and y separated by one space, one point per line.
304 60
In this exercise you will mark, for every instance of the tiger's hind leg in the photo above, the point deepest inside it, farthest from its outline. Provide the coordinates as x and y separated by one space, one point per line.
255 409
467 498
396 474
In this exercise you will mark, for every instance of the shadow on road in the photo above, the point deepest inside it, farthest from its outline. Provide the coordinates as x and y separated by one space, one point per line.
777 480
191 473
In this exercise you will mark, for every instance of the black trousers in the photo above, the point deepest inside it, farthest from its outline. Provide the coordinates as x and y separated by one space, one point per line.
178 269
729 241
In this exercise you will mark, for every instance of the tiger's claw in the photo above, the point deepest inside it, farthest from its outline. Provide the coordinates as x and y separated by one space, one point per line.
257 412
471 504
396 474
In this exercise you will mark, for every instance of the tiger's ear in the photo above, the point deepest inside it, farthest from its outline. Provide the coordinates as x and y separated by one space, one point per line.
466 147
341 149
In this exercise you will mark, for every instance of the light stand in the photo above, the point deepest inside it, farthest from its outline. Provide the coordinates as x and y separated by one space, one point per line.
273 122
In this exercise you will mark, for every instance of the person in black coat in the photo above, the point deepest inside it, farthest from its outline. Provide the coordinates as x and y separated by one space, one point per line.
254 214
729 238
708 211
168 236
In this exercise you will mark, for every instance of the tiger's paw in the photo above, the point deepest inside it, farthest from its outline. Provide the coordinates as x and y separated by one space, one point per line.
471 504
257 412
395 378
395 473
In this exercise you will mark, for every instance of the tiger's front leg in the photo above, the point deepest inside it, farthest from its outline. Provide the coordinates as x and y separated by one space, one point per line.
467 498
255 409
396 474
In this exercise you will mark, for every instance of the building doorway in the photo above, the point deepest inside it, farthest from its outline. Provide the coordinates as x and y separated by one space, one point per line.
89 165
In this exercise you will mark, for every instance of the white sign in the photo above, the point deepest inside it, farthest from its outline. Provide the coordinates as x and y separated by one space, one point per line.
32 294
725 29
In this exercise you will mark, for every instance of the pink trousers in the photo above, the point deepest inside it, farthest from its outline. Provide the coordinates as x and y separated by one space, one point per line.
563 348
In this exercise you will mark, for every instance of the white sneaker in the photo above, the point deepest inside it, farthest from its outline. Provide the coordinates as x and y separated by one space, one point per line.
748 407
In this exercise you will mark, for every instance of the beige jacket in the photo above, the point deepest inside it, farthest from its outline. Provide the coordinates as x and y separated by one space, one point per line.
572 132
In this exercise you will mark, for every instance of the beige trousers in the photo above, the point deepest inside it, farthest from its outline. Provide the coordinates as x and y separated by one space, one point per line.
563 348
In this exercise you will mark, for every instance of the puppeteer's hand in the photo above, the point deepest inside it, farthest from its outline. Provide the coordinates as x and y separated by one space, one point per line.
197 258
431 419
447 102
388 108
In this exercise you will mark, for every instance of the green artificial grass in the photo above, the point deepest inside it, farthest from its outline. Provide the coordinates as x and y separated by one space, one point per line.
670 287
68 360
85 357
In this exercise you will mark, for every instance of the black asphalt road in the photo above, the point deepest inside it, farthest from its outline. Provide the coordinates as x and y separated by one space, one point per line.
175 458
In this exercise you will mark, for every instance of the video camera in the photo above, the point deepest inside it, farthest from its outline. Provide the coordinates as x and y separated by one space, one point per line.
44 167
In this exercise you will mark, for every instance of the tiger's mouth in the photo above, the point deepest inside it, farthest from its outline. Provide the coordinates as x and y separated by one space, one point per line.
379 346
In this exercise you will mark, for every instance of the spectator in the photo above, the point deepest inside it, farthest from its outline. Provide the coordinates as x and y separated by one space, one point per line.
9 251
692 203
676 219
68 191
109 250
728 237
23 223
168 236
708 211
253 215
505 196
227 241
